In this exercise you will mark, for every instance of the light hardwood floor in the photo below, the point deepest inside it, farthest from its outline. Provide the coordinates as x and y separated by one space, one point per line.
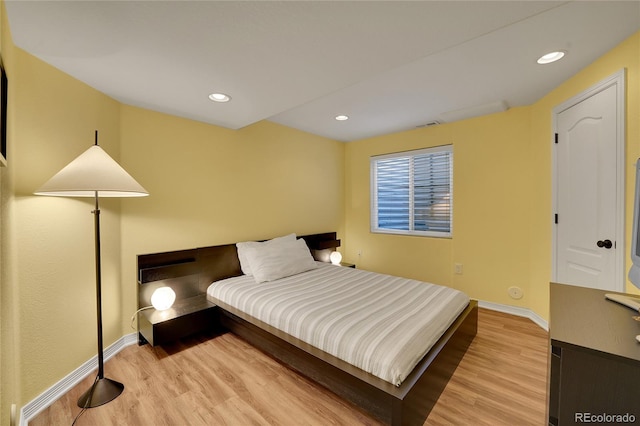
222 380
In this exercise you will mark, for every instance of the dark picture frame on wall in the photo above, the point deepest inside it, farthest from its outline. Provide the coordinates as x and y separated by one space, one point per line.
4 83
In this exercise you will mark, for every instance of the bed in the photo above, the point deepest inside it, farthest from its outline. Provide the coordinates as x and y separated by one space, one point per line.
398 396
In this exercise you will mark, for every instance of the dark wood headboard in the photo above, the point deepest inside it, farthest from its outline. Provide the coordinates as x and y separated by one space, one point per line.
189 272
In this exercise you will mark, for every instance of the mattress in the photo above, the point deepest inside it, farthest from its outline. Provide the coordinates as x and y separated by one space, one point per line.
379 323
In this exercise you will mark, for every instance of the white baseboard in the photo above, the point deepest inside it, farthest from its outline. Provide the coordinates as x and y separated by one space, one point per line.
48 397
515 310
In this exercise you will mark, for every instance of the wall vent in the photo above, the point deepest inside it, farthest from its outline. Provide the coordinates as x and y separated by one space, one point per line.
429 124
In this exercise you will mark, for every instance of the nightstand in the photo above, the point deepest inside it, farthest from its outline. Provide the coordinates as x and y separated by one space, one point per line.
348 265
189 316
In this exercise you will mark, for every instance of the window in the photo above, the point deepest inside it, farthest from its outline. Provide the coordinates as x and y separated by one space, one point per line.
411 192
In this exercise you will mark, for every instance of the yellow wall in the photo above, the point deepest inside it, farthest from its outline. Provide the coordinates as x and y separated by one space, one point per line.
8 376
488 195
502 195
211 186
208 186
50 246
627 56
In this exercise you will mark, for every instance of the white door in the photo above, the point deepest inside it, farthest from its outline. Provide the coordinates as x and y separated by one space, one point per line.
589 249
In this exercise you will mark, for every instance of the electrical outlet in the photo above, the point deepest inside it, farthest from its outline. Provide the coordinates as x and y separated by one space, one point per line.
515 292
457 268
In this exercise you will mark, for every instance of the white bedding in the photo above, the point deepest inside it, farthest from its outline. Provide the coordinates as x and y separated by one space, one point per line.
379 323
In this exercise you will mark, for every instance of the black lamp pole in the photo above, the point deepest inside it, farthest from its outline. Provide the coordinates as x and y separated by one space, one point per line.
103 389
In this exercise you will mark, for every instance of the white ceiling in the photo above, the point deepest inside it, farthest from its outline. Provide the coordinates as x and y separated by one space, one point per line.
388 65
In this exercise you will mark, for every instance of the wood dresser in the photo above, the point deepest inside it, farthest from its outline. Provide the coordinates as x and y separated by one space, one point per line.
594 359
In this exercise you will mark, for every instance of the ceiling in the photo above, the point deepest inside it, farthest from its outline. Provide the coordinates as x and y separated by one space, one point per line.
388 65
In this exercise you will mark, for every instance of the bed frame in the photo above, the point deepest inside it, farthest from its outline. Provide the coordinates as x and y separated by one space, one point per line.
191 271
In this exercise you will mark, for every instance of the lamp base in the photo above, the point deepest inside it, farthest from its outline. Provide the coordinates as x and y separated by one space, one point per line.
102 391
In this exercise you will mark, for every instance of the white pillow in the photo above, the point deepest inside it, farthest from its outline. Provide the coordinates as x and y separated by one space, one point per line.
274 261
242 247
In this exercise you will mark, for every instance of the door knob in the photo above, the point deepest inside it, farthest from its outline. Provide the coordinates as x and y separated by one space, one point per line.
606 244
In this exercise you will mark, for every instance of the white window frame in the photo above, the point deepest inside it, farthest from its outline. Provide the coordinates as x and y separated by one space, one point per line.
374 194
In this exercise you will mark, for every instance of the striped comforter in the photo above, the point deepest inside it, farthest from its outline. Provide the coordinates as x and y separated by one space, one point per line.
378 323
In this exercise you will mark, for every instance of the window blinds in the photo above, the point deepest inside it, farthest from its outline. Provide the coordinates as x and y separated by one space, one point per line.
412 192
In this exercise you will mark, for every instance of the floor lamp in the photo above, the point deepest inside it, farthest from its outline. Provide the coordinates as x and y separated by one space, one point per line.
95 174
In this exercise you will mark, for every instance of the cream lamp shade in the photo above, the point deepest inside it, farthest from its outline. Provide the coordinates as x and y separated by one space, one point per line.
92 173
335 257
163 298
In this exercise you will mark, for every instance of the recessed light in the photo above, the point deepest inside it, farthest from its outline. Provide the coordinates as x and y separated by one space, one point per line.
342 117
219 97
551 57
